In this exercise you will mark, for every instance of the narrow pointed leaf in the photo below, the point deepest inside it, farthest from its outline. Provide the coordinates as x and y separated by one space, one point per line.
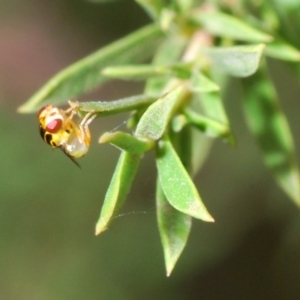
156 118
179 122
284 51
227 26
167 17
174 228
192 146
182 144
168 53
269 125
106 108
86 73
201 83
215 122
136 72
185 5
200 149
176 183
152 7
142 72
126 142
207 125
290 5
239 61
118 189
213 107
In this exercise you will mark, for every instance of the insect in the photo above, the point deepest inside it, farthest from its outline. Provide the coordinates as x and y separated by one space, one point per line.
59 130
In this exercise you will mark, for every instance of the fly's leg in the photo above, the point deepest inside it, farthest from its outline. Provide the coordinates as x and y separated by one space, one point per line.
74 106
84 127
72 110
82 132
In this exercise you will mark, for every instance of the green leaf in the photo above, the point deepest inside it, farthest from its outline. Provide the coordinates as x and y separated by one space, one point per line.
185 5
240 61
86 74
136 72
142 72
288 18
282 50
209 126
167 18
176 183
212 107
126 142
174 228
182 144
227 26
269 125
199 144
118 189
201 83
287 4
152 7
212 119
200 149
168 53
156 118
179 122
106 108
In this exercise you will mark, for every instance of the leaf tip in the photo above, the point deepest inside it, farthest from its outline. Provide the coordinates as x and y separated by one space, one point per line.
23 109
261 46
100 227
169 268
209 218
200 212
103 138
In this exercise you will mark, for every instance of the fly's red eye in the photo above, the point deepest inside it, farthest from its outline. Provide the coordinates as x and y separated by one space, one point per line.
54 125
42 109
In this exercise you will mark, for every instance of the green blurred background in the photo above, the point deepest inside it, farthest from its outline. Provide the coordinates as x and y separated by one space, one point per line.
49 207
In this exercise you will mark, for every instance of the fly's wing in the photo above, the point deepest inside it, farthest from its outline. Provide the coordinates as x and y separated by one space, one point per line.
72 158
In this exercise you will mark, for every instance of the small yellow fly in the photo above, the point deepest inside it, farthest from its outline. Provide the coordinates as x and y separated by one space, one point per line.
59 130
